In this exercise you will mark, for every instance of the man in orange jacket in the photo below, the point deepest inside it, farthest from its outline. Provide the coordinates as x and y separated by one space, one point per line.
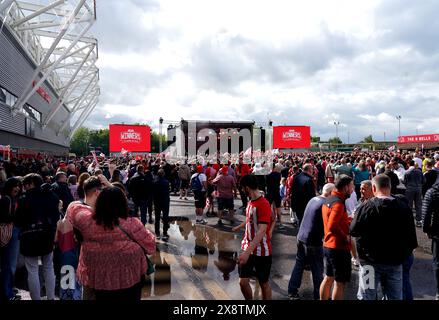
336 241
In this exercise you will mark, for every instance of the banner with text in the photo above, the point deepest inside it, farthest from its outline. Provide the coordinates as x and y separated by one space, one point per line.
130 138
291 137
419 138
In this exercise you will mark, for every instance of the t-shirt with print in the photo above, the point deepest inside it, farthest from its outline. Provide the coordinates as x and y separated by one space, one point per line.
257 212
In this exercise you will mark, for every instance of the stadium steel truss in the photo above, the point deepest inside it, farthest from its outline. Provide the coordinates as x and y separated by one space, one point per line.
54 34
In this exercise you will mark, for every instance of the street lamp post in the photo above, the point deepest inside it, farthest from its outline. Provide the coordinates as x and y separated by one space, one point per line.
160 134
336 123
398 117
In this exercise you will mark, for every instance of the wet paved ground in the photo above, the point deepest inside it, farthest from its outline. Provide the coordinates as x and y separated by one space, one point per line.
199 262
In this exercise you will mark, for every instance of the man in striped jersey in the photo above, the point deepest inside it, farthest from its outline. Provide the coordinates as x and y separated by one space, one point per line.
255 259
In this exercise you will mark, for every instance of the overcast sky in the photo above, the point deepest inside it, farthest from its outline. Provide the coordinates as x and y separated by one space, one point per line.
296 62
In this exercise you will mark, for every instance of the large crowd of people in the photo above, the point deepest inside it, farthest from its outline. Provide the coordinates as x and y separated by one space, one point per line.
356 209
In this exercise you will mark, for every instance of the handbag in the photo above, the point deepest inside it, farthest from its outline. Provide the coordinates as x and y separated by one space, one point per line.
150 270
6 229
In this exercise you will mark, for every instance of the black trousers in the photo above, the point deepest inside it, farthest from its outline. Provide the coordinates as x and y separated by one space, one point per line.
243 197
435 252
130 294
161 209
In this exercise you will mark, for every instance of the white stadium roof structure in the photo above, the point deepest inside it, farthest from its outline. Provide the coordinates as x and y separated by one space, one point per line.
55 36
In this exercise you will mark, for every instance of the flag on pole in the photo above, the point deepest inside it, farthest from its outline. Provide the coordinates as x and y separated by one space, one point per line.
392 148
95 159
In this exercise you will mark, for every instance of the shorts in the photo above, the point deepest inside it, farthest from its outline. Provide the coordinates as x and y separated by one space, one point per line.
200 199
338 264
226 203
184 184
256 266
276 199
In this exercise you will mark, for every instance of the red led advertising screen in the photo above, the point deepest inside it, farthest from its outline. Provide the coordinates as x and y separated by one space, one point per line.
291 137
130 138
419 138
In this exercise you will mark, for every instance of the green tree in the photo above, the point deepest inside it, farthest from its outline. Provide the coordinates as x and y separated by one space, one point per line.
85 138
80 141
315 139
368 139
155 142
100 139
335 141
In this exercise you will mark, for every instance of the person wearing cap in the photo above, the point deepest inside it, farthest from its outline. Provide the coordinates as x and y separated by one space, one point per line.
225 184
62 190
199 190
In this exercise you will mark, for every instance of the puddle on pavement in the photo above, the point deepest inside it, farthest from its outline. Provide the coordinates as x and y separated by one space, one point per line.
208 251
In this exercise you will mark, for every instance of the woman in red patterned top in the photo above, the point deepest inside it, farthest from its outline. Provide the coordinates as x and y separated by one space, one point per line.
111 261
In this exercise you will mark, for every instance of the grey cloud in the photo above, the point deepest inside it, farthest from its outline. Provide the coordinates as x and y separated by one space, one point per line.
224 62
119 27
98 117
413 23
127 87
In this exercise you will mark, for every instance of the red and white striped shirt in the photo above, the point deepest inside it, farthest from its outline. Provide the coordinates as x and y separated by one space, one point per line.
258 212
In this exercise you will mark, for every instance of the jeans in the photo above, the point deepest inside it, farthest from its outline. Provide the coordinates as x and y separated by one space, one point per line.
8 265
145 208
307 255
407 293
373 275
33 278
415 195
435 252
161 208
175 185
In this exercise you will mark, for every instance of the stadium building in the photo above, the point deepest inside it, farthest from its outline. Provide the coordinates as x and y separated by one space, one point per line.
48 74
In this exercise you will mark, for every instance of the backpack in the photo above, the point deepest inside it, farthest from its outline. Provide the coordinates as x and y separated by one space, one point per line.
196 183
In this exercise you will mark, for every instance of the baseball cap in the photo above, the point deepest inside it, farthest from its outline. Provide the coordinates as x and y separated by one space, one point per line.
199 169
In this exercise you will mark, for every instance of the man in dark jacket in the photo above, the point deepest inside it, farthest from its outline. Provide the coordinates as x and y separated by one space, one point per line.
302 191
413 181
161 204
394 181
310 245
386 237
430 217
62 190
37 215
140 190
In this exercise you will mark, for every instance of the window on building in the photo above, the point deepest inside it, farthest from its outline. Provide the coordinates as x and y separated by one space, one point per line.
32 112
29 127
2 95
7 97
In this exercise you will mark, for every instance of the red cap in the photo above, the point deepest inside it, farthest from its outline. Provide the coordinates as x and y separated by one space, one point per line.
225 170
199 169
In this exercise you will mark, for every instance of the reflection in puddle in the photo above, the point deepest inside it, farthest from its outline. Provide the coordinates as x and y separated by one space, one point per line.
159 283
211 253
208 241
